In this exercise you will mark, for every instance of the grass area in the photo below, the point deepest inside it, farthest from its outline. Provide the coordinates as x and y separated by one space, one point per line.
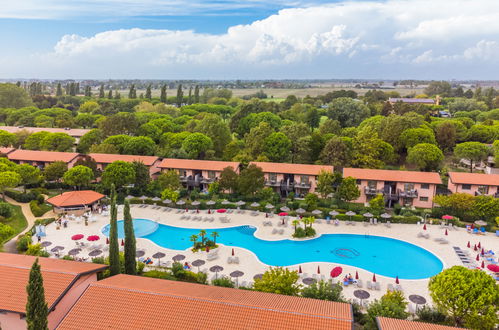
45 207
17 221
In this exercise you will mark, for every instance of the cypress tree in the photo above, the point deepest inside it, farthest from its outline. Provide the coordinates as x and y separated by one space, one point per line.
130 244
101 92
114 249
110 94
162 98
148 92
132 94
59 90
180 96
189 99
196 94
117 95
36 306
77 88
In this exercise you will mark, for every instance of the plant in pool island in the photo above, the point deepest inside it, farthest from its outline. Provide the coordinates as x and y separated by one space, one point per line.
469 297
205 241
307 230
279 280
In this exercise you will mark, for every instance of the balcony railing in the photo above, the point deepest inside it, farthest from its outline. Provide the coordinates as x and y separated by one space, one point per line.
305 185
370 191
408 193
390 195
208 180
272 183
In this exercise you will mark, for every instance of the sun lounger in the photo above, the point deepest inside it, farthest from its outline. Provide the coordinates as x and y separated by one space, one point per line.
412 310
388 224
359 283
369 285
243 284
366 223
274 231
390 287
212 256
235 260
377 286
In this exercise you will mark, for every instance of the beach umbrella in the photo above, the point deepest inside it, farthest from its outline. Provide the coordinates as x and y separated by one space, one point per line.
285 209
269 206
350 213
356 275
140 253
156 199
74 252
122 243
211 203
93 238
77 237
316 212
240 203
469 244
198 263
167 201
385 216
374 277
397 280
300 211
215 269
283 214
258 277
45 244
318 269
334 213
481 223
237 274
424 227
130 197
143 198
336 271
57 248
479 245
493 268
158 255
446 232
475 248
95 253
483 264
299 269
221 210
255 204
368 215
180 202
178 257
477 257
447 217
225 202
483 251
195 203
361 294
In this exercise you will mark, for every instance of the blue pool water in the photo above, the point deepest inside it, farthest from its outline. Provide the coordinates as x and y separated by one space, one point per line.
380 255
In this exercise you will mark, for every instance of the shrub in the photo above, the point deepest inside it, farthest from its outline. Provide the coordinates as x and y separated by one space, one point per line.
159 274
5 210
38 209
223 281
23 242
431 315
21 197
36 250
6 231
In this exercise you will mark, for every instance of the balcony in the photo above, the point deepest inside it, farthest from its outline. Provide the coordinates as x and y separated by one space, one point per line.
303 185
408 193
370 191
272 183
390 195
287 185
208 180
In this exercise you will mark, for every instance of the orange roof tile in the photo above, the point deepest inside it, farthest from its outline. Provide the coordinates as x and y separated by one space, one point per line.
143 303
474 178
385 323
75 132
109 158
75 198
42 156
5 151
392 175
57 275
305 169
193 164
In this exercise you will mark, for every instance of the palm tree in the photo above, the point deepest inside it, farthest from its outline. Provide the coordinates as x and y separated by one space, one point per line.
202 233
305 222
215 235
194 239
311 220
296 223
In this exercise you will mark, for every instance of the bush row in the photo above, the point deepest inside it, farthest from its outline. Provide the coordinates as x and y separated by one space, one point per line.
21 197
38 209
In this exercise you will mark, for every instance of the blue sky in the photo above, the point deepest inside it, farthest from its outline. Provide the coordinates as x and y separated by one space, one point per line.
230 39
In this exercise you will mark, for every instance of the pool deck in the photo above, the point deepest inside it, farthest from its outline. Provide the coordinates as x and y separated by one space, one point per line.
250 265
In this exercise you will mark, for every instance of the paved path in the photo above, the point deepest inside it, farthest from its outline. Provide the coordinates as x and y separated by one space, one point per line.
10 246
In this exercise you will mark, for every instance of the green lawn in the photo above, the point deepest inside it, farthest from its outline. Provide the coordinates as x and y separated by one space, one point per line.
16 221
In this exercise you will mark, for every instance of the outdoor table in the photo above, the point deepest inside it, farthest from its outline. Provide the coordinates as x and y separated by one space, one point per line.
418 300
308 280
361 294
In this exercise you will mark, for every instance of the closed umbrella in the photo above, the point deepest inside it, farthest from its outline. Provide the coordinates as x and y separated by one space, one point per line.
299 269
397 280
318 269
469 244
356 275
446 232
483 264
424 226
232 251
479 245
374 277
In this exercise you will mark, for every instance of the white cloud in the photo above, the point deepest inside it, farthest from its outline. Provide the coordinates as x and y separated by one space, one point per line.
347 39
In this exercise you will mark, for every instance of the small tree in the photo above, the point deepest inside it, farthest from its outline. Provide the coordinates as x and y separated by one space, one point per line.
472 151
278 280
55 171
114 249
392 304
469 297
324 290
228 179
29 174
78 176
426 156
325 183
377 204
8 179
250 180
130 244
169 180
36 306
348 190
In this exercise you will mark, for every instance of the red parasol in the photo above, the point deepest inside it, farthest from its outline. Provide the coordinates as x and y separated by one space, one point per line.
493 268
93 238
356 275
122 243
283 214
299 269
397 280
446 233
336 271
232 251
478 257
207 249
475 248
479 245
221 210
447 217
318 269
77 237
483 264
107 240
483 251
209 211
424 227
374 277
469 244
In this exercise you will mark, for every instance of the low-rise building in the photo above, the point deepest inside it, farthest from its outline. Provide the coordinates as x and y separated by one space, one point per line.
197 173
474 183
64 282
393 100
152 162
297 178
132 302
77 133
41 159
408 188
386 323
79 200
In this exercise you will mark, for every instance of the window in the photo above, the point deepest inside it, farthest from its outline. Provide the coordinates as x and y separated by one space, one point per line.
273 177
425 186
372 184
304 179
423 199
359 181
466 186
408 186
483 190
211 174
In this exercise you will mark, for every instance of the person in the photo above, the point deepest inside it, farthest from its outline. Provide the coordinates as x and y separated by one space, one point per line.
345 280
186 265
39 238
350 278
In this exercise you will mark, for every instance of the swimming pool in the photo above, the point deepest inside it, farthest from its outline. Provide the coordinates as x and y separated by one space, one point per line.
380 255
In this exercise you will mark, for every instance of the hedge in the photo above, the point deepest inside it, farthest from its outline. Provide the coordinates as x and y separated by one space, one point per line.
21 197
38 209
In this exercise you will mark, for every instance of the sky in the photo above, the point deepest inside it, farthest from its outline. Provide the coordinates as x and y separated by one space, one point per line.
252 39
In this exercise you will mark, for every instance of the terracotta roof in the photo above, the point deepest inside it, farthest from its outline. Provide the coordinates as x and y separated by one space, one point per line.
389 175
6 150
474 178
385 323
109 158
133 302
411 100
42 156
305 169
75 132
57 275
193 164
75 198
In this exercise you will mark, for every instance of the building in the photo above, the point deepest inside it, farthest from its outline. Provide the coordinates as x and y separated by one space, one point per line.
152 162
197 173
393 100
77 133
408 188
297 178
64 282
81 200
5 151
385 323
41 159
474 183
132 302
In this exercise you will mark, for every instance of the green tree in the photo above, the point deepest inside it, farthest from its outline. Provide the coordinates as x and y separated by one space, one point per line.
33 141
180 96
130 244
250 180
78 176
392 304
218 131
458 204
114 249
148 92
441 88
57 142
29 174
469 297
163 96
279 280
369 151
196 145
426 156
139 145
337 152
475 152
377 204
256 137
142 176
347 112
196 94
169 180
93 137
55 171
324 290
12 96
132 93
86 119
90 107
446 134
170 194
119 123
58 90
7 139
36 305
486 208
102 93
119 174
412 136
348 190
8 179
312 118
277 147
228 179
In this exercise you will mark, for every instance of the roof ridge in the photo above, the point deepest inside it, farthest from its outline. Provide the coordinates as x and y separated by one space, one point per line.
41 268
229 303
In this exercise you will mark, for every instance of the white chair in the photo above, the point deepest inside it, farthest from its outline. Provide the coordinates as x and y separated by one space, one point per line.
369 285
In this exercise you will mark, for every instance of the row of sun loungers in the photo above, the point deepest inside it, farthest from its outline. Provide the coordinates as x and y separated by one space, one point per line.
441 240
422 235
197 218
267 223
224 219
233 260
212 255
277 231
464 257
